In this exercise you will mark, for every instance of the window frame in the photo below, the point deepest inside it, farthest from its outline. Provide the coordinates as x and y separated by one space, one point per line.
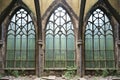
109 16
8 21
73 31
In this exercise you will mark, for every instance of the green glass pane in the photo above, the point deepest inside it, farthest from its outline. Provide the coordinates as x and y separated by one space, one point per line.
110 55
63 42
96 55
70 42
57 55
70 55
23 63
63 64
49 55
18 55
102 64
63 54
57 42
88 42
18 64
31 42
10 42
88 55
96 42
10 64
102 40
96 64
23 55
102 54
49 42
109 42
31 55
110 64
89 27
48 64
18 42
89 64
57 63
10 55
70 63
24 42
31 64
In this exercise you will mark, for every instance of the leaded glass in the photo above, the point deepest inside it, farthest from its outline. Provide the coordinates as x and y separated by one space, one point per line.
20 51
99 43
60 43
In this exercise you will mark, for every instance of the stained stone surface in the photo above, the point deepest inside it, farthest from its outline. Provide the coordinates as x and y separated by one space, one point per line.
60 78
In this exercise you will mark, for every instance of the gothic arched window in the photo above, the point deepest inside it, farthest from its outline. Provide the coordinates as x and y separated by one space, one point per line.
20 52
60 42
99 42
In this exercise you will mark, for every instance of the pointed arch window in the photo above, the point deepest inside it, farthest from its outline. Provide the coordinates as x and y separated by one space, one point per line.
20 52
99 42
60 42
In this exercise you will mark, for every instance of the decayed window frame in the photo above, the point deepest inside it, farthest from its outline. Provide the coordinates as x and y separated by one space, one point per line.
28 22
53 66
100 66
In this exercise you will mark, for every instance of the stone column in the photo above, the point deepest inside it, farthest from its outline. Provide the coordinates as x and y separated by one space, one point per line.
1 55
118 56
1 58
117 46
39 58
80 57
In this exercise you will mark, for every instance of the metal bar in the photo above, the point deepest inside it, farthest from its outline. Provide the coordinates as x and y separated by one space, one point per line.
15 43
54 40
66 42
93 39
21 26
105 42
27 44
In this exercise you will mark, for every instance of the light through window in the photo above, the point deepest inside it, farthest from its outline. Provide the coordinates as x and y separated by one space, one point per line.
60 49
20 51
99 43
